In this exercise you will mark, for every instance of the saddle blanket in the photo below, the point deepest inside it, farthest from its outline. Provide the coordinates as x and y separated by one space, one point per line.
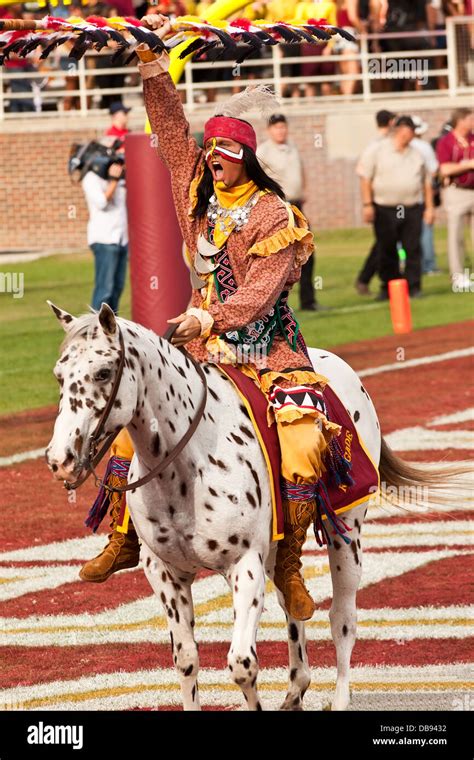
364 472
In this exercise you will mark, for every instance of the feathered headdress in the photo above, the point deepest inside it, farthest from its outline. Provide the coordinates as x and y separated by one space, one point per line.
254 98
227 120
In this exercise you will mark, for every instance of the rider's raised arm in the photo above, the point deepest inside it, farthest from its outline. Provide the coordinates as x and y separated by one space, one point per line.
170 132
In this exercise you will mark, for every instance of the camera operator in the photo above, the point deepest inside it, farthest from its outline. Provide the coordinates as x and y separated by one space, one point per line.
107 233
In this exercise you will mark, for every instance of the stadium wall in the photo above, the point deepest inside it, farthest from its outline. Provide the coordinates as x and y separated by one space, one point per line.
41 209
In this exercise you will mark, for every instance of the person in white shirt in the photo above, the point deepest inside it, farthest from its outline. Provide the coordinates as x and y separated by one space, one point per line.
281 160
107 234
432 166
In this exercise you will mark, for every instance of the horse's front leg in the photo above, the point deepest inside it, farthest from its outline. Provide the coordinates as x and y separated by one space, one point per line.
299 670
173 588
247 580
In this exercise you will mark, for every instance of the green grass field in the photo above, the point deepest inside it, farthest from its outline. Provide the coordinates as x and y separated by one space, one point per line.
30 335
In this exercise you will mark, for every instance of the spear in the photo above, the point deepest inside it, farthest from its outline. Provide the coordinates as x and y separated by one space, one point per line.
21 36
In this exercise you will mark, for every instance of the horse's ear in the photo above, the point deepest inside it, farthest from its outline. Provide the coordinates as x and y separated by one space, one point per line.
66 319
107 319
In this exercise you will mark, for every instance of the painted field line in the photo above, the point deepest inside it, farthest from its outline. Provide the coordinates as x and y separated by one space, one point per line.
22 456
395 366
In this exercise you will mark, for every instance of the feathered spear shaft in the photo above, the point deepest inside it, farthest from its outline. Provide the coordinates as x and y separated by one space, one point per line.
22 37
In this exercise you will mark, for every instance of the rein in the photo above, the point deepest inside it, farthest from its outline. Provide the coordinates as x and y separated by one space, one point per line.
94 456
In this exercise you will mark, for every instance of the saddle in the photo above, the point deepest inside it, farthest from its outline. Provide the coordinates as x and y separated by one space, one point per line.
343 497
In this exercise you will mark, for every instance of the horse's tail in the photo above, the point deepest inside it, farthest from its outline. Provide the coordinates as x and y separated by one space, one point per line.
404 484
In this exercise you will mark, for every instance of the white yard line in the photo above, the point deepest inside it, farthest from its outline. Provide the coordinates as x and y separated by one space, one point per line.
21 457
458 354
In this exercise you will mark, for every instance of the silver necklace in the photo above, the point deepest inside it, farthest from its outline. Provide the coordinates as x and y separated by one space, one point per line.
220 217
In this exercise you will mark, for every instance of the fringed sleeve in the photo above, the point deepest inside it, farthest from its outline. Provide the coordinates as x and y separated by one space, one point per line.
296 231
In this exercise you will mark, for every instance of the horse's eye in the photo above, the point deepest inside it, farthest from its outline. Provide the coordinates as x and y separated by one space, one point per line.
102 375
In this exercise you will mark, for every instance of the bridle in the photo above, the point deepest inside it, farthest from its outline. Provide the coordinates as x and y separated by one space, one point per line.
94 456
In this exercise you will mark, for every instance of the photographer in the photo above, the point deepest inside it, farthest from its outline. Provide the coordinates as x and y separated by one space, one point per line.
107 233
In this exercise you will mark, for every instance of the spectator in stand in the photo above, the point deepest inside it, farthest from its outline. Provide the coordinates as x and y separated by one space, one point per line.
463 41
70 67
119 122
325 67
428 255
16 65
397 194
348 18
455 152
103 60
437 22
384 120
403 16
281 160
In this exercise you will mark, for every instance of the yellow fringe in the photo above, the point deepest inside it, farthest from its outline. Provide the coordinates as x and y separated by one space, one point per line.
296 376
281 240
221 350
291 413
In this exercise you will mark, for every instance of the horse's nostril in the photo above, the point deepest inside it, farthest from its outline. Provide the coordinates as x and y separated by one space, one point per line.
69 459
54 467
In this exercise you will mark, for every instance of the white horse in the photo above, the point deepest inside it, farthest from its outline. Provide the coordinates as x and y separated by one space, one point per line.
211 508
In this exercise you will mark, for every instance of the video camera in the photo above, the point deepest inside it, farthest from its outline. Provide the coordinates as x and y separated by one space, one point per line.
94 157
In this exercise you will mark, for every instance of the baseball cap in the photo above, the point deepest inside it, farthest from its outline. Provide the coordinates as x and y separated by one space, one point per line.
118 106
275 118
420 126
405 121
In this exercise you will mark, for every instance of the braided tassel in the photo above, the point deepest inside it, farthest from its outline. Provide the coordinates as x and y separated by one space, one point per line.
338 466
115 476
323 507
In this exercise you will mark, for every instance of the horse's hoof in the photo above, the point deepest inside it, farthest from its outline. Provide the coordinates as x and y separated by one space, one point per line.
327 707
292 704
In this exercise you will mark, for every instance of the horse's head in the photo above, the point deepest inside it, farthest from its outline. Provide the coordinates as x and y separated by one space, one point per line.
86 371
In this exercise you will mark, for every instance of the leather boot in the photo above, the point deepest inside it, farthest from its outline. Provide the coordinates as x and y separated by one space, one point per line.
122 551
298 516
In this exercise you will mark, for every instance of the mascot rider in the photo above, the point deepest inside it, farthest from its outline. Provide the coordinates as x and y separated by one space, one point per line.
246 246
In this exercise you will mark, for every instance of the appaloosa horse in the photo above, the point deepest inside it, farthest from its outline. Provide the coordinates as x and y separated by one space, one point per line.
211 508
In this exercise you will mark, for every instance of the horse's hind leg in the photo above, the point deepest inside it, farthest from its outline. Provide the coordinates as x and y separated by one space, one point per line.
346 569
299 670
247 579
173 588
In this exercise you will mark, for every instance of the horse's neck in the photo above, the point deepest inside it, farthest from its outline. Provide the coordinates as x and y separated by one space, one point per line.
169 391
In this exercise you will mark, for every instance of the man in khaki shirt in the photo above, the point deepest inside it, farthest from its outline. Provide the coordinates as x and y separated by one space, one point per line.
281 160
397 194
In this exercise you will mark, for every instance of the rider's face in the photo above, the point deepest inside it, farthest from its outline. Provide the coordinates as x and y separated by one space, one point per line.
222 169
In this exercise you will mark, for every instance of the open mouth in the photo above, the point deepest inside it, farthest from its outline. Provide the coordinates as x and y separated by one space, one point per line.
217 171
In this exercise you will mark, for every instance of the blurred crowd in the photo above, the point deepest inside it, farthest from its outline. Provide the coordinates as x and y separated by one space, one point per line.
338 58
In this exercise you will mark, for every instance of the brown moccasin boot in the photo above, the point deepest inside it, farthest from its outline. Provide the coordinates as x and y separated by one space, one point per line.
288 578
122 551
